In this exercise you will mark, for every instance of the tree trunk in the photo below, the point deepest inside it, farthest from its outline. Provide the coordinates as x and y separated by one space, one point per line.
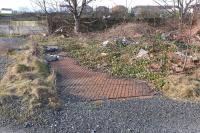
76 25
49 24
180 19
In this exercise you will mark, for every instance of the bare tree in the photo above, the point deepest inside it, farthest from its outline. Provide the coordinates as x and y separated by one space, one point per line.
47 7
76 7
182 6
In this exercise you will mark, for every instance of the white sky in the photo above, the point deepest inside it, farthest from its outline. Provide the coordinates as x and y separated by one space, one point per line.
16 4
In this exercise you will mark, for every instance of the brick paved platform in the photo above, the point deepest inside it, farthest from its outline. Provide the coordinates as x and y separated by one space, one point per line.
83 83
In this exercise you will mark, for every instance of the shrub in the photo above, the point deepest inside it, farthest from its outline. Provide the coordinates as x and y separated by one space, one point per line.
22 68
42 68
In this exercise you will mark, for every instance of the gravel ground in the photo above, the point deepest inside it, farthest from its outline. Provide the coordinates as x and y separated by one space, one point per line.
3 65
6 43
155 115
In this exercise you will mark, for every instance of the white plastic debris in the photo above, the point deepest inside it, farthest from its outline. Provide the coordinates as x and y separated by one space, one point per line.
105 43
51 58
143 54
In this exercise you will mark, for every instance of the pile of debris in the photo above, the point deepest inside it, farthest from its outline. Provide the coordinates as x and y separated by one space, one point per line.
184 36
129 30
120 41
50 53
180 61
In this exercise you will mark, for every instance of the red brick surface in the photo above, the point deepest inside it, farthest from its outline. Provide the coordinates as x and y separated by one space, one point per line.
81 82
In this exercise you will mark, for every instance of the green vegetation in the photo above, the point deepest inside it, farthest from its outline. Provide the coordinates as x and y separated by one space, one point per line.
165 57
43 68
12 36
122 61
119 60
22 68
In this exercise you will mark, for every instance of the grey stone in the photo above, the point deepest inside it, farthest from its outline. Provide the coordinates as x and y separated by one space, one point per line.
28 125
93 131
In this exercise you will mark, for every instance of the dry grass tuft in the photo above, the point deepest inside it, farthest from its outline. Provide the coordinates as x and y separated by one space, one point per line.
182 87
30 79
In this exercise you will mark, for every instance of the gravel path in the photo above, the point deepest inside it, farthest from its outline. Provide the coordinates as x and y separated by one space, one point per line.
155 115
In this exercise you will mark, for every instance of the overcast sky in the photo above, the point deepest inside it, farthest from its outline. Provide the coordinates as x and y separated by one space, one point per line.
17 4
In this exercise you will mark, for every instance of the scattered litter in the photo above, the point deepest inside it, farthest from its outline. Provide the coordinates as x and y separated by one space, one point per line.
189 58
143 54
176 68
51 58
44 34
123 41
163 36
104 54
181 54
51 48
195 58
105 43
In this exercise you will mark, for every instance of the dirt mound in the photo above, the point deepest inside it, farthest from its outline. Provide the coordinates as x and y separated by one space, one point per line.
128 30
